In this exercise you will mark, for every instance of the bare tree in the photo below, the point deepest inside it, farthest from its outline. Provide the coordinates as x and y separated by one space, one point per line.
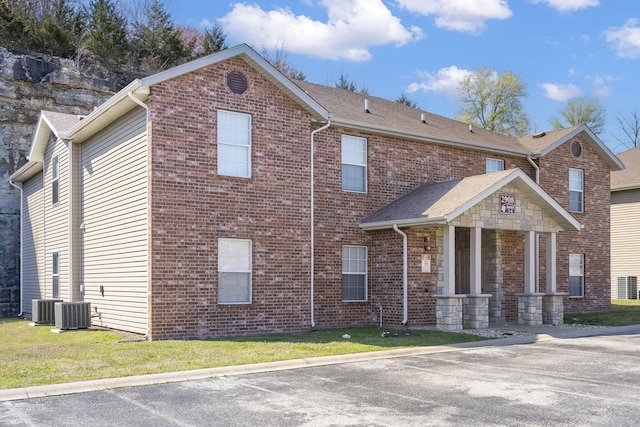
629 126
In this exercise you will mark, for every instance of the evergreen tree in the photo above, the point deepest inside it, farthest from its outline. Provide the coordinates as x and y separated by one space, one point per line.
106 32
214 40
157 44
62 22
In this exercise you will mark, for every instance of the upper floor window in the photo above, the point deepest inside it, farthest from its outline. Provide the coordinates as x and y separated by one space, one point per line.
354 163
55 179
494 165
576 275
234 271
576 190
234 144
354 273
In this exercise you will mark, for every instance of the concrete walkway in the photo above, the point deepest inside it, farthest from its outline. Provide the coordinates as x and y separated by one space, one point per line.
524 335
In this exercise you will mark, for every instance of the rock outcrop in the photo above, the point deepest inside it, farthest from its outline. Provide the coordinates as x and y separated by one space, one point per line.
29 84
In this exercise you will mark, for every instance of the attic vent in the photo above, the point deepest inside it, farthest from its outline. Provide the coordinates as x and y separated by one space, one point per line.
236 82
576 149
539 134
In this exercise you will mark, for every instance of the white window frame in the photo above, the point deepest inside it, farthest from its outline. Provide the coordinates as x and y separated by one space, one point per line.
234 139
55 180
576 272
493 165
55 274
576 189
230 265
349 162
354 267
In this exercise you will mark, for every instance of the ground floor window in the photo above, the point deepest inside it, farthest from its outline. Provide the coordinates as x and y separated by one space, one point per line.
354 273
55 274
234 271
576 275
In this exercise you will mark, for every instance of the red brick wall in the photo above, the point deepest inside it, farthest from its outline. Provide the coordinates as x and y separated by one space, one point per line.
395 167
593 240
191 207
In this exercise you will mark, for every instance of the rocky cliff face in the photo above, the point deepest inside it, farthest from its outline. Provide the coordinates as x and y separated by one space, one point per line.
29 84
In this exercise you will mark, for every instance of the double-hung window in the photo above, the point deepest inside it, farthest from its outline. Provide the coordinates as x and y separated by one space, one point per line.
234 271
55 274
354 163
494 165
576 190
354 273
576 275
55 180
234 144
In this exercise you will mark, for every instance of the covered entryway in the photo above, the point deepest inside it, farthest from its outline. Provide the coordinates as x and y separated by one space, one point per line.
471 267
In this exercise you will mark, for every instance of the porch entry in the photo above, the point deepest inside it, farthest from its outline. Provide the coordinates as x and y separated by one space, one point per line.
469 215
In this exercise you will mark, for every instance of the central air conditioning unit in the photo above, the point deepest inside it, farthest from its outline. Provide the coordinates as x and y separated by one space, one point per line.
43 311
628 287
72 315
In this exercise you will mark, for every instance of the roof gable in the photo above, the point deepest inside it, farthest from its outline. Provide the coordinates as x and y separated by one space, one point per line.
441 203
49 123
543 143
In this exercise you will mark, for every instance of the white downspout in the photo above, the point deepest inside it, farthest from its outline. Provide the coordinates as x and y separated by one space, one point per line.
405 297
313 132
146 124
537 243
19 187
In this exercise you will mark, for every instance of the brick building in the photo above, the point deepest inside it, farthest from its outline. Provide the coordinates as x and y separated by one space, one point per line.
221 198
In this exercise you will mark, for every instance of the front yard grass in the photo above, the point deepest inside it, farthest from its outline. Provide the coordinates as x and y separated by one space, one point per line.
34 356
623 312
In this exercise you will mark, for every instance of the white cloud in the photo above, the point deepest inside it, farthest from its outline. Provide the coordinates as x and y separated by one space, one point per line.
444 81
460 15
353 26
625 39
601 86
564 6
561 92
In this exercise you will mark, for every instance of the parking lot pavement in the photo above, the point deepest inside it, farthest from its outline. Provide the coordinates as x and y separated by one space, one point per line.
553 381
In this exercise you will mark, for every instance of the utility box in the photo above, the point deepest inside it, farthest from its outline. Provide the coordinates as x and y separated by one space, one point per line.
628 287
72 315
43 311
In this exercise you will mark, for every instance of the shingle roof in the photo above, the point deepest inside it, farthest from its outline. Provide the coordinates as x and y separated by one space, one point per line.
629 177
349 107
540 141
61 122
439 203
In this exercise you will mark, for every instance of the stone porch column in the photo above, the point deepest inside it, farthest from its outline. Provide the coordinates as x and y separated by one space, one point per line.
449 312
530 309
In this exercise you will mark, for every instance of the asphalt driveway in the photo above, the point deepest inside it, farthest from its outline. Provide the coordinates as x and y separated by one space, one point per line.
564 381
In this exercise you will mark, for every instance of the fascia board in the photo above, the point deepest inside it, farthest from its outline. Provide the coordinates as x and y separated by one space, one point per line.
117 104
626 187
412 222
453 142
28 170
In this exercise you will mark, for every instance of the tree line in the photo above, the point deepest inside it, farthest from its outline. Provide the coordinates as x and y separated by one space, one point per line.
139 36
136 36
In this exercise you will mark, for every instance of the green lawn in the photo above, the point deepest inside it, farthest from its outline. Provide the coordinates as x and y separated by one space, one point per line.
623 312
33 355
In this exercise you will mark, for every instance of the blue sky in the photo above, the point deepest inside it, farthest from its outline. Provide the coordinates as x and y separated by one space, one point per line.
559 48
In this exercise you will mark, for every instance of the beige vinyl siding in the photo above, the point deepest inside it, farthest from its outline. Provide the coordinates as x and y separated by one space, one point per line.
33 283
56 222
114 213
625 236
